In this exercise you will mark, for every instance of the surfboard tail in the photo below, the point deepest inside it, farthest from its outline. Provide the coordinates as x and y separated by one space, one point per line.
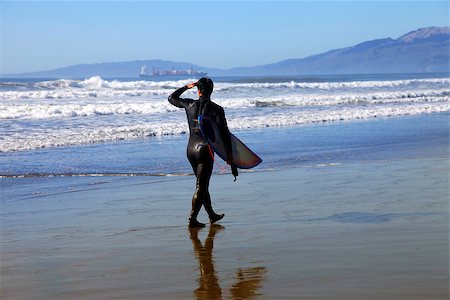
243 156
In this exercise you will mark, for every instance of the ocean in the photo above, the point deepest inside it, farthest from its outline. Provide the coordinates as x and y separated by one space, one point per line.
105 127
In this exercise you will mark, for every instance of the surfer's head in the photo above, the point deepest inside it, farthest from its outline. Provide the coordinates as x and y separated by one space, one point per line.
205 87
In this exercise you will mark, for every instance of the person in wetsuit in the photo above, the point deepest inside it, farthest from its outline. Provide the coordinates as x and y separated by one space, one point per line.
199 153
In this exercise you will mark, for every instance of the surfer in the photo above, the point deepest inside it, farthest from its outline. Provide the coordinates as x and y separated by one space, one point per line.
199 154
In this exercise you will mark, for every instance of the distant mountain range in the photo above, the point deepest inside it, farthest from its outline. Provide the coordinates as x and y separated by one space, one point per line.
421 51
127 69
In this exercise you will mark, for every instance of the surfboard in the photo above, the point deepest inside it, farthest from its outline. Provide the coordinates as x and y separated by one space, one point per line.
243 157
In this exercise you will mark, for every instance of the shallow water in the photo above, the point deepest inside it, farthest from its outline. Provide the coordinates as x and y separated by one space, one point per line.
302 146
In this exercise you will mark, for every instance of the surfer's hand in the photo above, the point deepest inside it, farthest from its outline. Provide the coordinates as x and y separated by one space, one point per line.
234 171
191 85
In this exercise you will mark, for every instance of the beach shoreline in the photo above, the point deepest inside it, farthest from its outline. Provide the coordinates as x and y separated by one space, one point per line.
365 230
407 137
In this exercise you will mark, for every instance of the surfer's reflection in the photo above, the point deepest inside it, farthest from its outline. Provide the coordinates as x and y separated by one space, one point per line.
247 280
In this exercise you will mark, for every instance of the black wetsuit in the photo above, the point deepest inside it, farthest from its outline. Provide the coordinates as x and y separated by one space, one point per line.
198 152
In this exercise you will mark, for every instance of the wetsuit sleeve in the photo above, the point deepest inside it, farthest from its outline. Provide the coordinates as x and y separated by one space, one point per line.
175 99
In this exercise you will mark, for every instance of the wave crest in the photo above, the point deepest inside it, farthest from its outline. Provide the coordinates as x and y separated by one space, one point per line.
96 87
77 136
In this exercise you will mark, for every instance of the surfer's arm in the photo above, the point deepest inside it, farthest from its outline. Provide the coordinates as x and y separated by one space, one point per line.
175 99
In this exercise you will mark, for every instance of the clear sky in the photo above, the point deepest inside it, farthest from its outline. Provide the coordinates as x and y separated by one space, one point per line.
38 35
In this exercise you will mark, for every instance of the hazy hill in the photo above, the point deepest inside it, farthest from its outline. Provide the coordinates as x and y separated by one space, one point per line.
111 69
420 51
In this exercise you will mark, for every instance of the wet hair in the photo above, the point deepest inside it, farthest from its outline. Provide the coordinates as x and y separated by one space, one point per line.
205 86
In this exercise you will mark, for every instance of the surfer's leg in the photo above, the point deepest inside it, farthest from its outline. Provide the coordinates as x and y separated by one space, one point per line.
201 195
203 185
196 201
202 165
196 206
213 217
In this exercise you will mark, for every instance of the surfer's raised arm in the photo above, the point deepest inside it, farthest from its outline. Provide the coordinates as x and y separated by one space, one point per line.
175 99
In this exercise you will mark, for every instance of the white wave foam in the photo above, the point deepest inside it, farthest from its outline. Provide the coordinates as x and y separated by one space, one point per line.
96 87
68 137
333 114
82 93
76 136
339 85
27 113
70 110
96 82
339 99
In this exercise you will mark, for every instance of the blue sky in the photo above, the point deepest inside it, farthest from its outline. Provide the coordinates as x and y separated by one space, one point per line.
39 35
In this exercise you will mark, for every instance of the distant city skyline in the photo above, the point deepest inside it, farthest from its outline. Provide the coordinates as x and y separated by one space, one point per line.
38 36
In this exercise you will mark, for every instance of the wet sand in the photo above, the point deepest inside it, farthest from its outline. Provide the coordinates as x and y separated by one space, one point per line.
375 230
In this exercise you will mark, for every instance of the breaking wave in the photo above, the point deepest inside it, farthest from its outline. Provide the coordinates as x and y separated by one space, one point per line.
63 112
341 85
70 109
77 136
96 87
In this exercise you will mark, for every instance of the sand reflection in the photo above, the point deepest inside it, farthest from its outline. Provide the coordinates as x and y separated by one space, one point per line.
247 281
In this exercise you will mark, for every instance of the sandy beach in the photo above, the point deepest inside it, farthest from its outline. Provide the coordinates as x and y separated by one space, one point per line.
367 230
